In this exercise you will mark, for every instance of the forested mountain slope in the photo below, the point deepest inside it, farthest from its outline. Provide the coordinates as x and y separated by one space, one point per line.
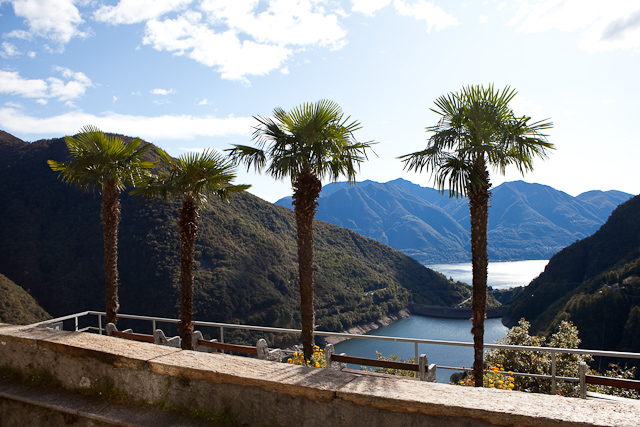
17 306
595 283
51 244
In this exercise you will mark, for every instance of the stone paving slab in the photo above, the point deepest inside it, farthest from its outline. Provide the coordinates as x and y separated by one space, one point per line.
495 406
288 379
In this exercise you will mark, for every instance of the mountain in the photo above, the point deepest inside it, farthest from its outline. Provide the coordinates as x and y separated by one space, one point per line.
595 283
17 306
51 245
526 221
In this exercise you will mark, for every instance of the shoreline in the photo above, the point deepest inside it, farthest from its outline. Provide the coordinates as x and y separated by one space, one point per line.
363 329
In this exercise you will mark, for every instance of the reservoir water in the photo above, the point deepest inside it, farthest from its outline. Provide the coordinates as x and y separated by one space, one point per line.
501 275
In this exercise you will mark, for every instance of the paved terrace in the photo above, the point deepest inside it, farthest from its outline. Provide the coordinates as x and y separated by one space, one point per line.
165 383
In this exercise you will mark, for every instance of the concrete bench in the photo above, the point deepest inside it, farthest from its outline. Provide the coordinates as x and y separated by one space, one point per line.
606 381
158 336
339 362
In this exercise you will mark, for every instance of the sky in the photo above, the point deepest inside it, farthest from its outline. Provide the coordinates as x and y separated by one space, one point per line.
191 74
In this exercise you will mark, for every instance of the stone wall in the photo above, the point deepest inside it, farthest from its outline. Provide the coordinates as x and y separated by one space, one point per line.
261 393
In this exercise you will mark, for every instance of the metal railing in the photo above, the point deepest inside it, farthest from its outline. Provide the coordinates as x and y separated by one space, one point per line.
222 326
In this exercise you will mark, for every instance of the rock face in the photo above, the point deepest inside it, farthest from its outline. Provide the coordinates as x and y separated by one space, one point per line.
526 221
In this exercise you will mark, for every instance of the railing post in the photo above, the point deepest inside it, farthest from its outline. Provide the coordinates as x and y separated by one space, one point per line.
583 380
222 337
76 319
416 374
553 372
100 324
153 326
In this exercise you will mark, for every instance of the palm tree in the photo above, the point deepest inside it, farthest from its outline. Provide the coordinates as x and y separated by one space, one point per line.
107 165
478 129
309 143
196 178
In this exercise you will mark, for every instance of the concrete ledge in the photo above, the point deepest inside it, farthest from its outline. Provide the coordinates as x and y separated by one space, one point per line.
259 392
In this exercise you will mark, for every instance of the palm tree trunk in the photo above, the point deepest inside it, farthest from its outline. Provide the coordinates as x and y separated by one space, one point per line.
110 215
188 225
306 192
479 213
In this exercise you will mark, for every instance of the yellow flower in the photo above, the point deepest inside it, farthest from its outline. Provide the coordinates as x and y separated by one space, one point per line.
500 382
295 354
511 386
498 365
492 386
511 379
510 372
490 381
317 365
290 361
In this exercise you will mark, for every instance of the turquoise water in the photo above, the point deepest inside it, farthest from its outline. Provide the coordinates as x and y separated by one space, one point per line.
426 328
501 275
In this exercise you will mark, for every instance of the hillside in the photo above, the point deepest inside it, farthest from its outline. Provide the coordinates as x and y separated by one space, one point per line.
17 306
595 283
526 221
51 244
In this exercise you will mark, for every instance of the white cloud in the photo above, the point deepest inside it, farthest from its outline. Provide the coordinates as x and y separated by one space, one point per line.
167 127
427 11
368 7
11 83
115 99
284 22
163 91
233 58
203 102
134 11
57 20
42 101
31 54
610 25
9 50
284 70
247 38
73 86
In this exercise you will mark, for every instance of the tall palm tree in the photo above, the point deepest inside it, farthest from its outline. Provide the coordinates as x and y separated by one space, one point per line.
478 129
106 165
196 178
309 143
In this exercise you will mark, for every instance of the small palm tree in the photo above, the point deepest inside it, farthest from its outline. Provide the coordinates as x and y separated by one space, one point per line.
107 165
478 129
307 144
195 178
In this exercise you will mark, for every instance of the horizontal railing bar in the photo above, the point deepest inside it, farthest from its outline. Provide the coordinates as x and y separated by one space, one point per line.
605 353
229 347
133 336
613 382
60 319
375 362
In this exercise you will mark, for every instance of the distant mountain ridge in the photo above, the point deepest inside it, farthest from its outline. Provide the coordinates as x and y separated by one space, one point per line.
526 221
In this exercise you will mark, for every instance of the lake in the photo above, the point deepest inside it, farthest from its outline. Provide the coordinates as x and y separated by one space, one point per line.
501 275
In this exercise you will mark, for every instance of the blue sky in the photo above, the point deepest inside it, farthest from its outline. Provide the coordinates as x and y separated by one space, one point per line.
190 74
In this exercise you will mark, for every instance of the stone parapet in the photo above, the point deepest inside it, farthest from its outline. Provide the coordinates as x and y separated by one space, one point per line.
264 393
